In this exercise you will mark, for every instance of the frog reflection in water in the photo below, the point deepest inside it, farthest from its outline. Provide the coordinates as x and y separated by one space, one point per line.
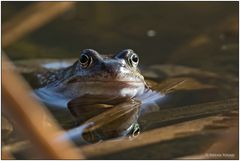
95 84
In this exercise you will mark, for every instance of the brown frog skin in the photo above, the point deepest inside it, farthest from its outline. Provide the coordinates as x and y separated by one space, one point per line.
98 84
105 90
93 74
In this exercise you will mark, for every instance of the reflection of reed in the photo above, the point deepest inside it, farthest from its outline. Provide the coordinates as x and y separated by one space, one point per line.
27 114
173 132
30 117
31 18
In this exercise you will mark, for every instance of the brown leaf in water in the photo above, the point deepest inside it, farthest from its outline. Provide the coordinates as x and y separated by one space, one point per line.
169 70
167 138
179 83
115 121
89 106
112 114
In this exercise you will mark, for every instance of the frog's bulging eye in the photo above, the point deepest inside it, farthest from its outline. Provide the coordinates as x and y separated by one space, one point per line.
85 60
133 60
129 56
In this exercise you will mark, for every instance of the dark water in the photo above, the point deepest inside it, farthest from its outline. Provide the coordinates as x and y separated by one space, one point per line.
203 35
155 30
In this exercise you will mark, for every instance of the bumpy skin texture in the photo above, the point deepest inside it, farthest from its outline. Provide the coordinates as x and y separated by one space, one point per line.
97 88
95 74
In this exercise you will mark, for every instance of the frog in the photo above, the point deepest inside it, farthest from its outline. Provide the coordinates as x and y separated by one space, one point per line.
110 85
95 74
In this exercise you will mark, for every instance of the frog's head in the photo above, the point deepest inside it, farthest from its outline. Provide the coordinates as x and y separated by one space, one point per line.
95 74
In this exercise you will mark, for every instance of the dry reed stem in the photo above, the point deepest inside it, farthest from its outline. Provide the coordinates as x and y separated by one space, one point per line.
31 18
29 116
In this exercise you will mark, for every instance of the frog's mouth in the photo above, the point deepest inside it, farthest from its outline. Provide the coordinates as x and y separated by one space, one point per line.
120 81
107 82
122 88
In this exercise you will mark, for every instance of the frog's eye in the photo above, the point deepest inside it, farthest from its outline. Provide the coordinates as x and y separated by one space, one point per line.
128 54
133 59
85 60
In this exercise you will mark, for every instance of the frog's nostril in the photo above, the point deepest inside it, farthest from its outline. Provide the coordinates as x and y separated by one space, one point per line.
112 69
129 50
